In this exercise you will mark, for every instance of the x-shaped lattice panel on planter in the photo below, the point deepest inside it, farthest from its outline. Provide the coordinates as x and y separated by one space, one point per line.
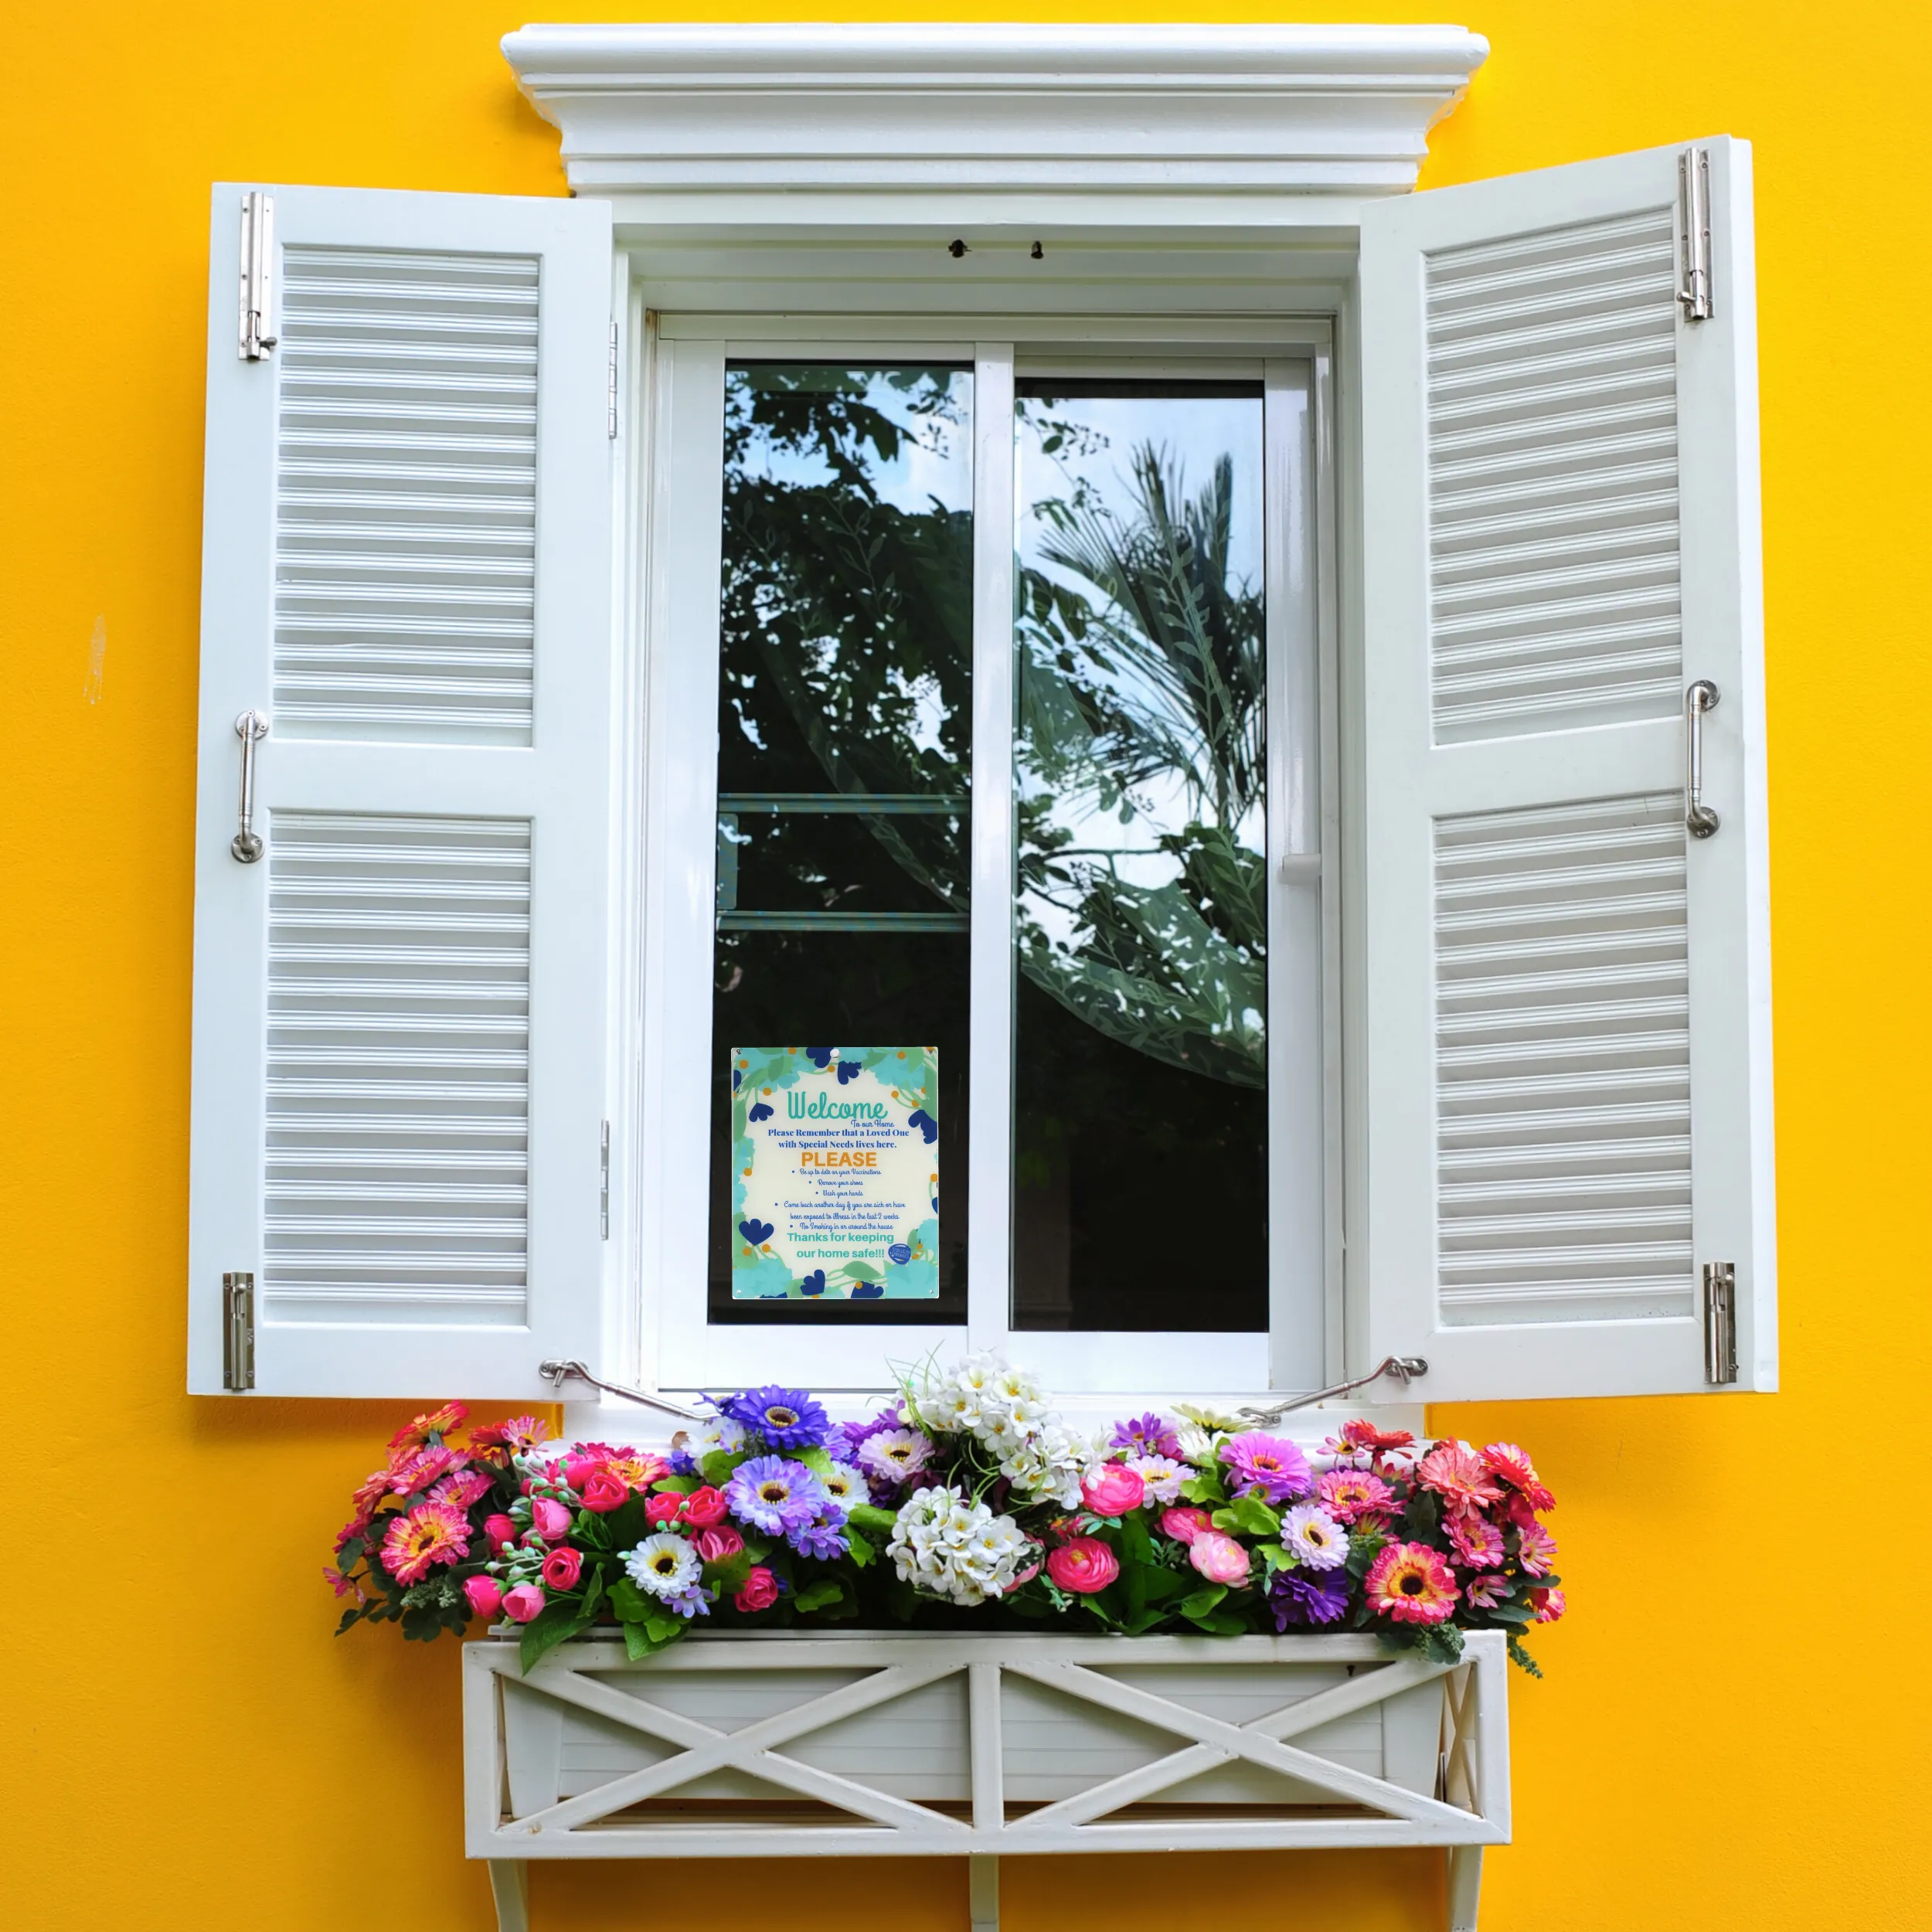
868 1744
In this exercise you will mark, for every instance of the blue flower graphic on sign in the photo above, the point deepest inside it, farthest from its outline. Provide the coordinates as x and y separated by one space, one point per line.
925 1122
819 1056
757 1232
760 1111
869 1291
814 1283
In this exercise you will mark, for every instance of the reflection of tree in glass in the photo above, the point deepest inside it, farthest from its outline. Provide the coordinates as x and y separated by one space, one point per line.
847 615
1153 684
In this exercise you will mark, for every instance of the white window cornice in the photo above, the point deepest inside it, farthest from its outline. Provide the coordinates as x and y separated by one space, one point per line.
858 120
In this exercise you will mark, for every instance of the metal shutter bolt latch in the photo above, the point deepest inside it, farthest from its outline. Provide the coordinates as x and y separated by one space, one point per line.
249 727
1699 819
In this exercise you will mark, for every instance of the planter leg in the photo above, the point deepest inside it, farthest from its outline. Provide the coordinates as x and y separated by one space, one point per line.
510 1885
1465 1881
982 1891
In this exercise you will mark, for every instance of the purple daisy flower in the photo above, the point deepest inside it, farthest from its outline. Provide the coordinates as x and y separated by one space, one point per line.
1266 1465
1147 1435
844 1440
785 1418
824 1536
1296 1597
774 1495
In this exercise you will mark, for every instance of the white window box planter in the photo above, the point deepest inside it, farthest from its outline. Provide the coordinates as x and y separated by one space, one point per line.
864 1742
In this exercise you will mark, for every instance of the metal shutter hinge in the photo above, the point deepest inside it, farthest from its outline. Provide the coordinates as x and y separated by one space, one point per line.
237 1332
1694 223
1720 1323
257 334
603 1186
610 387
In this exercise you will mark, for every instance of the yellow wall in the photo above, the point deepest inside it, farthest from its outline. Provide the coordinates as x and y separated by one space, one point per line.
189 1747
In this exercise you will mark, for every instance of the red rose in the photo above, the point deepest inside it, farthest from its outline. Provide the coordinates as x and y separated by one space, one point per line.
501 1532
761 1590
561 1568
704 1507
604 1492
662 1509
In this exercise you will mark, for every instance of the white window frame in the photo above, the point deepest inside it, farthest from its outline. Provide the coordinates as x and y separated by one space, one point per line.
667 930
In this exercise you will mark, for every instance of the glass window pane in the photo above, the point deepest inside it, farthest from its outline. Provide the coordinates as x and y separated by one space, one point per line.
844 719
1140 1095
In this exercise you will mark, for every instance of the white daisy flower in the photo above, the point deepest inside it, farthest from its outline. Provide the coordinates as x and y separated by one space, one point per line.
665 1565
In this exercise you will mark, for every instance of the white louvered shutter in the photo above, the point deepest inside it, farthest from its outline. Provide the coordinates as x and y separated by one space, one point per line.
399 1009
1568 1007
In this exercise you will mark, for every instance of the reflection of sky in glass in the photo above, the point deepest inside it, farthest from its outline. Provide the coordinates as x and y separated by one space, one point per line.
933 464
1192 433
934 458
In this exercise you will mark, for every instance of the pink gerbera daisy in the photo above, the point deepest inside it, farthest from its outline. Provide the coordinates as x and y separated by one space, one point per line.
1454 1470
428 1535
495 1443
1505 1460
412 1474
1351 1494
1477 1542
1411 1583
1358 1439
1536 1550
433 1427
459 1489
1549 1605
372 1491
1485 1593
1266 1465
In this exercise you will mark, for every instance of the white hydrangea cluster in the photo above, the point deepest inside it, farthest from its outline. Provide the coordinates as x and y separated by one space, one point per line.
1009 1411
949 1547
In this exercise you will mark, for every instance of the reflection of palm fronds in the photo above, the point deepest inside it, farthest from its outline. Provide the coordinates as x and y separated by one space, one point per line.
1164 680
1177 647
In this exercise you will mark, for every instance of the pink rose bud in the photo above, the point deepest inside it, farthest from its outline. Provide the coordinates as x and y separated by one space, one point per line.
716 1545
577 1469
501 1532
761 1590
561 1568
604 1492
1185 1523
660 1510
1085 1565
522 1603
1219 1558
485 1594
704 1507
549 1518
1112 1490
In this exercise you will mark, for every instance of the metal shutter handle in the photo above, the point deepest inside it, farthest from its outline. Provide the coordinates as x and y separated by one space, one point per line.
1699 819
249 727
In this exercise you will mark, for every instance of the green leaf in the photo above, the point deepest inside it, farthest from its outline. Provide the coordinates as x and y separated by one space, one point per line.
1158 1585
636 1644
545 1630
351 1617
662 1625
1221 1626
627 1524
1205 1487
351 1554
1202 1602
593 1596
1520 1658
718 1466
828 1590
817 1460
862 1552
728 1578
866 1515
627 1602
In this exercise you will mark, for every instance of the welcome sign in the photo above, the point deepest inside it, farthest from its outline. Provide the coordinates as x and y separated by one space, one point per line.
835 1173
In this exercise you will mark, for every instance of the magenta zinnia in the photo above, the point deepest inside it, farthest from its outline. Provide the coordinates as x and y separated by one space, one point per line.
1266 1464
428 1535
1411 1583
